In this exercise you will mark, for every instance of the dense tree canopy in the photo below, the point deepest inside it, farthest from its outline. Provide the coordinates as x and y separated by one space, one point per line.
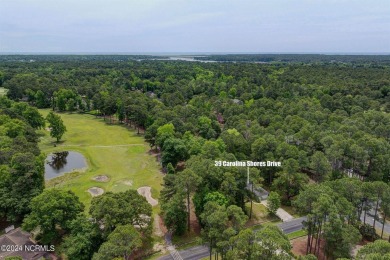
84 239
122 242
52 212
21 165
113 209
324 117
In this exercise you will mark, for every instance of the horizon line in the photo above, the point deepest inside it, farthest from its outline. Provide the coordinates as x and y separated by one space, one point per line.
195 53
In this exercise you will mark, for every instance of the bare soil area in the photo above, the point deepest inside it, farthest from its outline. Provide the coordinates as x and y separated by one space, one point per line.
299 247
95 191
145 191
194 223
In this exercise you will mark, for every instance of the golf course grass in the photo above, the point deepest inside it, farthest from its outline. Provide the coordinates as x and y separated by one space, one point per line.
111 150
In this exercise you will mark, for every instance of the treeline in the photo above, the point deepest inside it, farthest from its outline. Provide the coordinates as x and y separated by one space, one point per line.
21 163
298 58
357 59
76 57
336 112
311 114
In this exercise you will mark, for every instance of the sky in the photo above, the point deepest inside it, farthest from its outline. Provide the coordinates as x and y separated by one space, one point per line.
195 26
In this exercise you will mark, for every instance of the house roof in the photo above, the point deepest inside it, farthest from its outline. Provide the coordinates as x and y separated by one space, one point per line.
20 238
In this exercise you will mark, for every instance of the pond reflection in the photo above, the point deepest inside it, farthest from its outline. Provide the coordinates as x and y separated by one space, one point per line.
62 162
58 160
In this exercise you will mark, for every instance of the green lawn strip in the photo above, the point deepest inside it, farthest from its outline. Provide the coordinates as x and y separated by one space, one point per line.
379 232
196 242
110 150
187 240
296 234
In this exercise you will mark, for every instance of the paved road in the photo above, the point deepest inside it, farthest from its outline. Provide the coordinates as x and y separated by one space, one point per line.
379 222
193 253
199 252
292 225
296 224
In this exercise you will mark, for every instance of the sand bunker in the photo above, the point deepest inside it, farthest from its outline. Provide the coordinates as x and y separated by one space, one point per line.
95 191
145 191
101 178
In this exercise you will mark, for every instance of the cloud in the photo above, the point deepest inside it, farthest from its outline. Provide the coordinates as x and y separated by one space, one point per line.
195 25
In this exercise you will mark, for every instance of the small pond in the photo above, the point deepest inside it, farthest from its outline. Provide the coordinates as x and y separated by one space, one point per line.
58 163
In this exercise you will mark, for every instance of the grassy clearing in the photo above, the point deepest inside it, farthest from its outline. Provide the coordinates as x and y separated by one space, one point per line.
189 239
110 150
296 234
379 232
3 91
260 215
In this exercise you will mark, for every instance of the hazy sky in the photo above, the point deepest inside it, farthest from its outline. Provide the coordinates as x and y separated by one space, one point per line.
195 26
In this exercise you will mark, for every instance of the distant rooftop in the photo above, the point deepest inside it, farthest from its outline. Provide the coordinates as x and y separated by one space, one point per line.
17 237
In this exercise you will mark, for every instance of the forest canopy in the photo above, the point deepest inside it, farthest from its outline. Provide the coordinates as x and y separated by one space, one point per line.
324 117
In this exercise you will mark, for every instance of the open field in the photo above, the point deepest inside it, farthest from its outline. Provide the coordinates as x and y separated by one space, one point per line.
3 91
110 150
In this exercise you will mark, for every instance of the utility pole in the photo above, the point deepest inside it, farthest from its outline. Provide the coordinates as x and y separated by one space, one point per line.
247 181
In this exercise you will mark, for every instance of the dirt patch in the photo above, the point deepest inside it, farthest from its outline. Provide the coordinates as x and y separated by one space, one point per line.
145 191
159 228
355 250
299 246
101 178
194 223
95 191
159 247
153 152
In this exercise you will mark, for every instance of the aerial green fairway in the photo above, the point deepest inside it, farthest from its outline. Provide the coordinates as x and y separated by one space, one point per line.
110 150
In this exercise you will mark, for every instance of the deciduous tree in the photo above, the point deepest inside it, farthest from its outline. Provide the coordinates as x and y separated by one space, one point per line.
57 127
113 209
52 211
273 202
122 242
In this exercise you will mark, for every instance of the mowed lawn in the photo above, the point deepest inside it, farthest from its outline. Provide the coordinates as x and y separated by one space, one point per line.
110 150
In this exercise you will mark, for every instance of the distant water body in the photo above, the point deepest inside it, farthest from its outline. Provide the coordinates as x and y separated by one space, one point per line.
183 58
